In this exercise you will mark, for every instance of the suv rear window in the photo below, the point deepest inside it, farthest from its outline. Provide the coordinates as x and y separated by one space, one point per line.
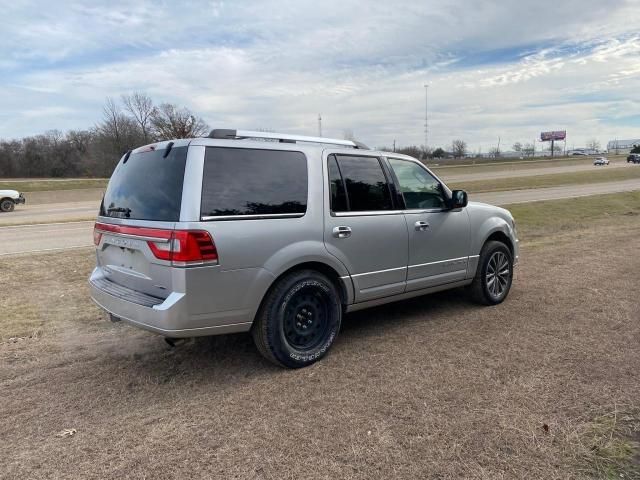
147 186
243 181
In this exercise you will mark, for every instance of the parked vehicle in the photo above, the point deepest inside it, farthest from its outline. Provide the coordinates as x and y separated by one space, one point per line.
283 236
601 161
9 199
633 158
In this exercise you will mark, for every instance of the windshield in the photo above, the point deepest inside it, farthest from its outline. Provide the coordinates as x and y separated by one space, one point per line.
147 186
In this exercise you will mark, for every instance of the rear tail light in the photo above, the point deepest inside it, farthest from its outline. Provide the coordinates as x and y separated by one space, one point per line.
97 236
180 247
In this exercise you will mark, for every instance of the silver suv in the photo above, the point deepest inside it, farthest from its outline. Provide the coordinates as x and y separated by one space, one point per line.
281 235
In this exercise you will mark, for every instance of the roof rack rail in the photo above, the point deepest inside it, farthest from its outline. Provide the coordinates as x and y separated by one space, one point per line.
228 134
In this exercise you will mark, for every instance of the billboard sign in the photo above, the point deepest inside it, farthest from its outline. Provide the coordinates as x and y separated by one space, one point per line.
557 135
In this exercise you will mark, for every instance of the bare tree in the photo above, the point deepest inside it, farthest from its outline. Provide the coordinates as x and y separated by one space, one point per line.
528 149
111 124
169 122
140 106
494 152
593 144
517 147
459 148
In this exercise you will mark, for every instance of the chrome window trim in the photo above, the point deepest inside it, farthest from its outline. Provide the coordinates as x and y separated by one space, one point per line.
252 216
368 213
415 211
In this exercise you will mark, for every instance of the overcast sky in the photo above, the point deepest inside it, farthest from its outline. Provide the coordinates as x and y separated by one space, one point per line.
496 69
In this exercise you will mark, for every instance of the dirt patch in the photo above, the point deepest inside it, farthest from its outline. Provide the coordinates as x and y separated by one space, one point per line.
435 387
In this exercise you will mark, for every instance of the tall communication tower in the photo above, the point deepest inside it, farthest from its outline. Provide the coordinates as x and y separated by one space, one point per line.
426 116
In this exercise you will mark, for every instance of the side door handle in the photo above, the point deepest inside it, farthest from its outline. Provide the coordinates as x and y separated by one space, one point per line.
421 226
341 232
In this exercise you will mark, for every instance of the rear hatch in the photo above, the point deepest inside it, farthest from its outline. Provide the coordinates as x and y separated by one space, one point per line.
134 233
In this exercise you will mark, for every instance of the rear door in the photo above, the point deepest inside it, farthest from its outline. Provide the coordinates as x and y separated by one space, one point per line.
363 226
439 238
145 190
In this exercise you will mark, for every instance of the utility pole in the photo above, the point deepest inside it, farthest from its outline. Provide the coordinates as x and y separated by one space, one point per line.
394 144
426 117
319 125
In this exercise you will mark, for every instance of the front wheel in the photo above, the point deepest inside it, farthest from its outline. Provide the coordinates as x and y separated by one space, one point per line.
494 275
299 319
7 205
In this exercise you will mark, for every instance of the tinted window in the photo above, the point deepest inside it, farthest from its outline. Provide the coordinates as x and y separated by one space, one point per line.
240 181
336 185
366 185
419 188
147 186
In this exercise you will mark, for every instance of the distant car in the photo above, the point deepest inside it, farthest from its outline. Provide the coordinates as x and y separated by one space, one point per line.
9 199
601 161
633 158
582 154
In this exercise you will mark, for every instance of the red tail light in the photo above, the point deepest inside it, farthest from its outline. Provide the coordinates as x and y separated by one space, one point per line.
97 236
181 247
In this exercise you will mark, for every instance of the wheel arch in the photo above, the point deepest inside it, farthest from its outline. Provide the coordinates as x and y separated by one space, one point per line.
345 288
500 236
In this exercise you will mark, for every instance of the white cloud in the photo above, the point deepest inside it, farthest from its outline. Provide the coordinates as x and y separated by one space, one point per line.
277 64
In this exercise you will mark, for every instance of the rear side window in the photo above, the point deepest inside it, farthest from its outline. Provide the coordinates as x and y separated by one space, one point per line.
242 181
336 187
365 184
147 186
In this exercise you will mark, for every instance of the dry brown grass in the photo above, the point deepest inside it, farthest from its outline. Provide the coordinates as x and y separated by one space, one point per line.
435 387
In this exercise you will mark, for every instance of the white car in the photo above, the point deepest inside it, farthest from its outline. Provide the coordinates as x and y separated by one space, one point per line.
9 199
601 161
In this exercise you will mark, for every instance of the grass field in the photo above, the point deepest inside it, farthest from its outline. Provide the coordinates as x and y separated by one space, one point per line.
38 185
542 386
546 220
542 181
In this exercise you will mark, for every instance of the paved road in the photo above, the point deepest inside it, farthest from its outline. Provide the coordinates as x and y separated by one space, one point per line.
555 193
62 236
52 212
45 237
450 176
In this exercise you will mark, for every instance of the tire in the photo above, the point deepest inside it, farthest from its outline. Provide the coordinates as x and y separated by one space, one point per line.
484 289
7 205
299 319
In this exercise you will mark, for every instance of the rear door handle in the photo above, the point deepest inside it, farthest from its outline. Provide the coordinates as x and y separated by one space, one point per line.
421 226
341 232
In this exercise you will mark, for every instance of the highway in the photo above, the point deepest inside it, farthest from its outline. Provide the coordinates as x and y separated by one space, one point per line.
42 237
448 174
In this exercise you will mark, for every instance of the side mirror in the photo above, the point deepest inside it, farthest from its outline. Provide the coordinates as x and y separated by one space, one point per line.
459 199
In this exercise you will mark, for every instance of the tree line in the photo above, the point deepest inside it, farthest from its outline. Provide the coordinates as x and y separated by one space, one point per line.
132 121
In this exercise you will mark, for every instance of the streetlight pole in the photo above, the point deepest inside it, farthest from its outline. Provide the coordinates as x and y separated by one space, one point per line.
426 117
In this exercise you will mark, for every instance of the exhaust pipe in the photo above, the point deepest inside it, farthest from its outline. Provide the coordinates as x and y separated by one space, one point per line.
174 342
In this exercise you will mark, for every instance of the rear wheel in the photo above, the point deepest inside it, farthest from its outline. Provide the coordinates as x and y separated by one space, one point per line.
299 319
7 205
494 275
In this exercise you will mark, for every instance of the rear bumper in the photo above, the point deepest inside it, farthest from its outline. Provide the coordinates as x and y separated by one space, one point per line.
168 317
